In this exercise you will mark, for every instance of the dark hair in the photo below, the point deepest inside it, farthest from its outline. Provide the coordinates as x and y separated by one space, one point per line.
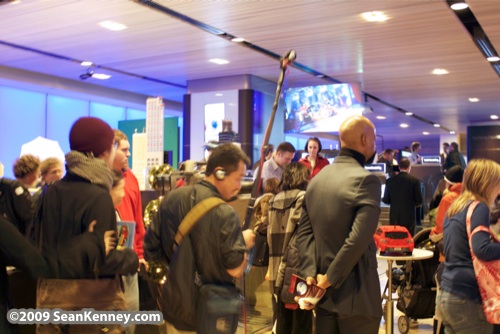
285 147
295 176
268 149
226 156
316 139
117 177
455 146
25 165
388 151
446 144
404 163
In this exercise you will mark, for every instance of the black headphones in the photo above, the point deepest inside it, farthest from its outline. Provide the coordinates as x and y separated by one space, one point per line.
220 174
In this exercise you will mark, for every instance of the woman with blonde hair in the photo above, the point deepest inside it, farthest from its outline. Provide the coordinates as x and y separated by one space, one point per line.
460 299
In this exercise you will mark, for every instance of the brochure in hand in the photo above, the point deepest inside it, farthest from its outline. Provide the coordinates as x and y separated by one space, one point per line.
311 294
125 232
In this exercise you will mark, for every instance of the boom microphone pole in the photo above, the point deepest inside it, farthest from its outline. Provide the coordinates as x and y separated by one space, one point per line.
286 60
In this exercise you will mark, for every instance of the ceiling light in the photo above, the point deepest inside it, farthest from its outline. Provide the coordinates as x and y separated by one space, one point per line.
219 61
112 25
452 132
493 59
86 63
439 71
459 6
218 94
437 125
425 133
101 76
494 117
237 40
403 125
408 113
374 16
473 99
321 76
380 117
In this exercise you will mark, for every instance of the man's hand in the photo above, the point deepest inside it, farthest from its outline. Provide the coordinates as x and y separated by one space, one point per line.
145 263
323 281
304 304
109 241
249 237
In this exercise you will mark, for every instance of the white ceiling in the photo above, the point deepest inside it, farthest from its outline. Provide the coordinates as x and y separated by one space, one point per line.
392 60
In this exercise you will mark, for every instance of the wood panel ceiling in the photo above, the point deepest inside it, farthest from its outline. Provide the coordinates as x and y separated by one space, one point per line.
392 60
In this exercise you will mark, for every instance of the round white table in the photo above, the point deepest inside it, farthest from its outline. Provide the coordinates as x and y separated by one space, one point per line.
418 254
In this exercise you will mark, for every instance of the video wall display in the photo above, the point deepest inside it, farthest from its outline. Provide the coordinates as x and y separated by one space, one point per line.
321 108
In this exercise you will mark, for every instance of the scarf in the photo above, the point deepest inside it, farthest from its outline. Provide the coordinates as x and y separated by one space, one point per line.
90 168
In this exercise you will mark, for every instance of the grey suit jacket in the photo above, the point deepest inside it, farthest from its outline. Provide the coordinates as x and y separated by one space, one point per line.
335 236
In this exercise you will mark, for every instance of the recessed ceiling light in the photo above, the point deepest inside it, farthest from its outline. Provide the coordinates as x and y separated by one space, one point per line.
219 61
493 59
459 6
425 133
237 40
473 99
452 132
408 113
380 117
112 25
374 16
101 76
437 125
86 63
218 94
494 117
439 71
403 125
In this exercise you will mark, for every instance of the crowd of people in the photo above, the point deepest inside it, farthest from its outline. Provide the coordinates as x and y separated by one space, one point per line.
66 231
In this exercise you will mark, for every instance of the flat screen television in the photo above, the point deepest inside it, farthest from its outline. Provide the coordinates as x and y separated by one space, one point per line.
321 108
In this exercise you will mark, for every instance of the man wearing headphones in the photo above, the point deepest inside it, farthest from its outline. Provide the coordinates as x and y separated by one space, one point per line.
217 242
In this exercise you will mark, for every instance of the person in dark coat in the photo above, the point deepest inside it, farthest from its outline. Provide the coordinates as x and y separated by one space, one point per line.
335 235
69 205
404 194
15 204
17 251
454 158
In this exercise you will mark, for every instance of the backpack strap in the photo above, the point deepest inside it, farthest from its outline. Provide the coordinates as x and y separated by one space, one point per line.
194 215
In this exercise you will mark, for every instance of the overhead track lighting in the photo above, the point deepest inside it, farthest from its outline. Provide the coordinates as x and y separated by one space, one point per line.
469 21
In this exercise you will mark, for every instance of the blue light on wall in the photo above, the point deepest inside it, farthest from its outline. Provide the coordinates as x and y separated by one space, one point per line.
108 113
62 112
22 119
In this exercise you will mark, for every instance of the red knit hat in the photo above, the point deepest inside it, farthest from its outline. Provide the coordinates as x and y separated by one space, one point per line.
90 134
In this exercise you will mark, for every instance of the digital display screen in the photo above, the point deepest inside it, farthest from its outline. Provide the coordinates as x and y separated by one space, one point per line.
321 108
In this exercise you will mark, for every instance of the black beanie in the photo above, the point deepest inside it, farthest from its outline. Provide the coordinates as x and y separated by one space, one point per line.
90 134
454 175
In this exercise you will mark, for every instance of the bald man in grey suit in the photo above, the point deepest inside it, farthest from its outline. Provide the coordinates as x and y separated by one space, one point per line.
335 235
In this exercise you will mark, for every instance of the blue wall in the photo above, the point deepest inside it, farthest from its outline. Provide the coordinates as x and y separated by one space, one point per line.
25 115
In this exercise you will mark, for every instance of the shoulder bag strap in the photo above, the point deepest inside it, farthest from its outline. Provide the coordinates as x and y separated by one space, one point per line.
470 211
194 215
